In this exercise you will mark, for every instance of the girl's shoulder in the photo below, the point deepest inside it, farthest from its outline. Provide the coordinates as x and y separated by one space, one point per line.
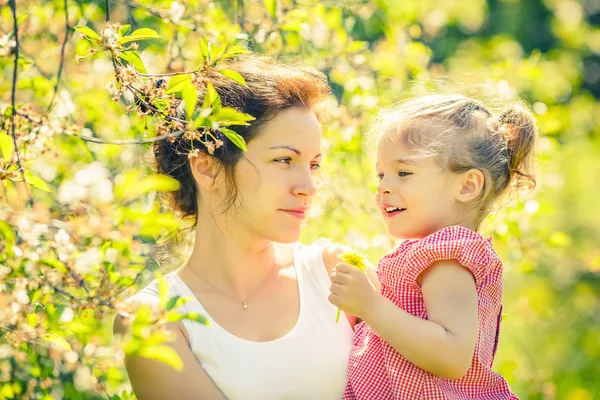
469 248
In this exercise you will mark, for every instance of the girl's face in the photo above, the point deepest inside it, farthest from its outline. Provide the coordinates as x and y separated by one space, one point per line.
275 179
415 195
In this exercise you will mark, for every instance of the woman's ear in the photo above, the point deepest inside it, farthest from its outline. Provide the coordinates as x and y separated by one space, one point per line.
471 185
203 168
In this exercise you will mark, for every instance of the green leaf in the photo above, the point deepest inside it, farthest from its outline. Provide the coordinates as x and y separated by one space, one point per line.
22 18
211 98
205 45
176 302
271 6
57 342
235 138
202 121
36 182
228 114
53 263
234 75
6 146
196 318
216 52
140 34
174 316
88 32
176 83
132 186
9 236
163 291
7 392
163 353
235 51
189 95
32 320
125 29
135 60
171 303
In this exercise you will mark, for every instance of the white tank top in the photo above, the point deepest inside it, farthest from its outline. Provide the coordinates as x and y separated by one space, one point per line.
310 362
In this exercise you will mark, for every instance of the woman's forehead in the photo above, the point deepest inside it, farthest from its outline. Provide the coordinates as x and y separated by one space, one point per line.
296 128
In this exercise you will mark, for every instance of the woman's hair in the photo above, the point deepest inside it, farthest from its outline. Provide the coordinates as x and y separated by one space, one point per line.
271 88
462 134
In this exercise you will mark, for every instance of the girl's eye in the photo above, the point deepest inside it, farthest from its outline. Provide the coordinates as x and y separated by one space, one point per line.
380 176
283 160
404 173
315 167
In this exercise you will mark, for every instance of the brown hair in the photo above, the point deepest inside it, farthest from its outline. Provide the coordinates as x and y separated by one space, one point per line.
463 134
271 88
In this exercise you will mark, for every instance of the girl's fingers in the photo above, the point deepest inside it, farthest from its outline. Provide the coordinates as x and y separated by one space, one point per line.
335 288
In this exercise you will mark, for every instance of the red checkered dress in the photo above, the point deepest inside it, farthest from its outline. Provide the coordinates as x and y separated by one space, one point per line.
378 372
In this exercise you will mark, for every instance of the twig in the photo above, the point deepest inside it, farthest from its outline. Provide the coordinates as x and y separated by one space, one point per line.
107 10
127 141
13 7
62 55
106 141
167 74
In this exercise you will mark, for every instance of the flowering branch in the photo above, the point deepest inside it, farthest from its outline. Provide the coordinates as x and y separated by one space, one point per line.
13 7
62 55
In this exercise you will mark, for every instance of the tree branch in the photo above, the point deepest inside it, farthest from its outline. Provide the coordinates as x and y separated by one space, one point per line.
62 55
13 8
106 141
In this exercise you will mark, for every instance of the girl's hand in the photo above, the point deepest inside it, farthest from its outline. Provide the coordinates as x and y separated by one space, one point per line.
351 290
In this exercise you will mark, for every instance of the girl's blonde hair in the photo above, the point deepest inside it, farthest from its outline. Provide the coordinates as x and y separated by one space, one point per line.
462 134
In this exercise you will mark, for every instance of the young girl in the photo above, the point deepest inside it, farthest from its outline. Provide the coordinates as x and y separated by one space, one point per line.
431 331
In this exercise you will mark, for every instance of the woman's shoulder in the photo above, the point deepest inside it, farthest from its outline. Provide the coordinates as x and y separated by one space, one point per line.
148 297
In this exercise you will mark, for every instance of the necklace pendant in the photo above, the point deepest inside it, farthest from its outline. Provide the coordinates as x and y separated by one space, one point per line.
244 305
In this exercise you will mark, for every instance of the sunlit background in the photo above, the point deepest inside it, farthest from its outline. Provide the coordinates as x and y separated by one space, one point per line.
100 219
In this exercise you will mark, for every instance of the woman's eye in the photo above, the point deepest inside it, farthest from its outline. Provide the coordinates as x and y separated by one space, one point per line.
315 167
380 176
283 160
404 173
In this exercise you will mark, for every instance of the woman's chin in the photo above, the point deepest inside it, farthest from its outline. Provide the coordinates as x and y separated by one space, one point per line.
286 237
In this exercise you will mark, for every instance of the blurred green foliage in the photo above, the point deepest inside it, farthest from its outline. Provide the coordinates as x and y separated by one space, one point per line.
374 53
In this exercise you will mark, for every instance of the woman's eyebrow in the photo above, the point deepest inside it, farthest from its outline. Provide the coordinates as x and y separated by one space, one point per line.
298 152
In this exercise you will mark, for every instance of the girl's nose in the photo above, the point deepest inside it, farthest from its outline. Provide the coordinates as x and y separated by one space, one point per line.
383 187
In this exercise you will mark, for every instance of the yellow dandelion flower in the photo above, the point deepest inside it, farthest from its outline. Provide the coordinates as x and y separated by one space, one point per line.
355 259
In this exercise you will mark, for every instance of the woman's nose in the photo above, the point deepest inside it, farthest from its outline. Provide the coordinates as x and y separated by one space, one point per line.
306 185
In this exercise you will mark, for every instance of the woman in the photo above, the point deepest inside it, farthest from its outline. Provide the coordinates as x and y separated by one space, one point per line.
273 333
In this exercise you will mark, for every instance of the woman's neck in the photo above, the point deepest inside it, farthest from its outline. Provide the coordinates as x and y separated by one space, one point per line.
230 260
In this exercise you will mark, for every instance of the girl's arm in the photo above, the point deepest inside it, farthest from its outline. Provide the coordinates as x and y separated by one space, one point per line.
442 345
154 380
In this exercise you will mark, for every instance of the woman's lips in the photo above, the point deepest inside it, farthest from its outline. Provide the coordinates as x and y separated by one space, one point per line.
298 213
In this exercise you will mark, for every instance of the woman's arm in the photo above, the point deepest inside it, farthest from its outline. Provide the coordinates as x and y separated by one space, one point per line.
442 345
154 380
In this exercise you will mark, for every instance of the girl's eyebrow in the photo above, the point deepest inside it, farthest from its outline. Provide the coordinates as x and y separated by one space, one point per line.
405 160
298 152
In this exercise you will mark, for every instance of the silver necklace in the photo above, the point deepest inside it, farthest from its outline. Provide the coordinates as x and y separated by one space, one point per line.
245 302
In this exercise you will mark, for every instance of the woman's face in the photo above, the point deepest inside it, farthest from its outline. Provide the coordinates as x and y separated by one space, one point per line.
275 179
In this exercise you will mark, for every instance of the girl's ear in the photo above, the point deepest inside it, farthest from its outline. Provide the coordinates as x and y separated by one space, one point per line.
203 168
471 185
